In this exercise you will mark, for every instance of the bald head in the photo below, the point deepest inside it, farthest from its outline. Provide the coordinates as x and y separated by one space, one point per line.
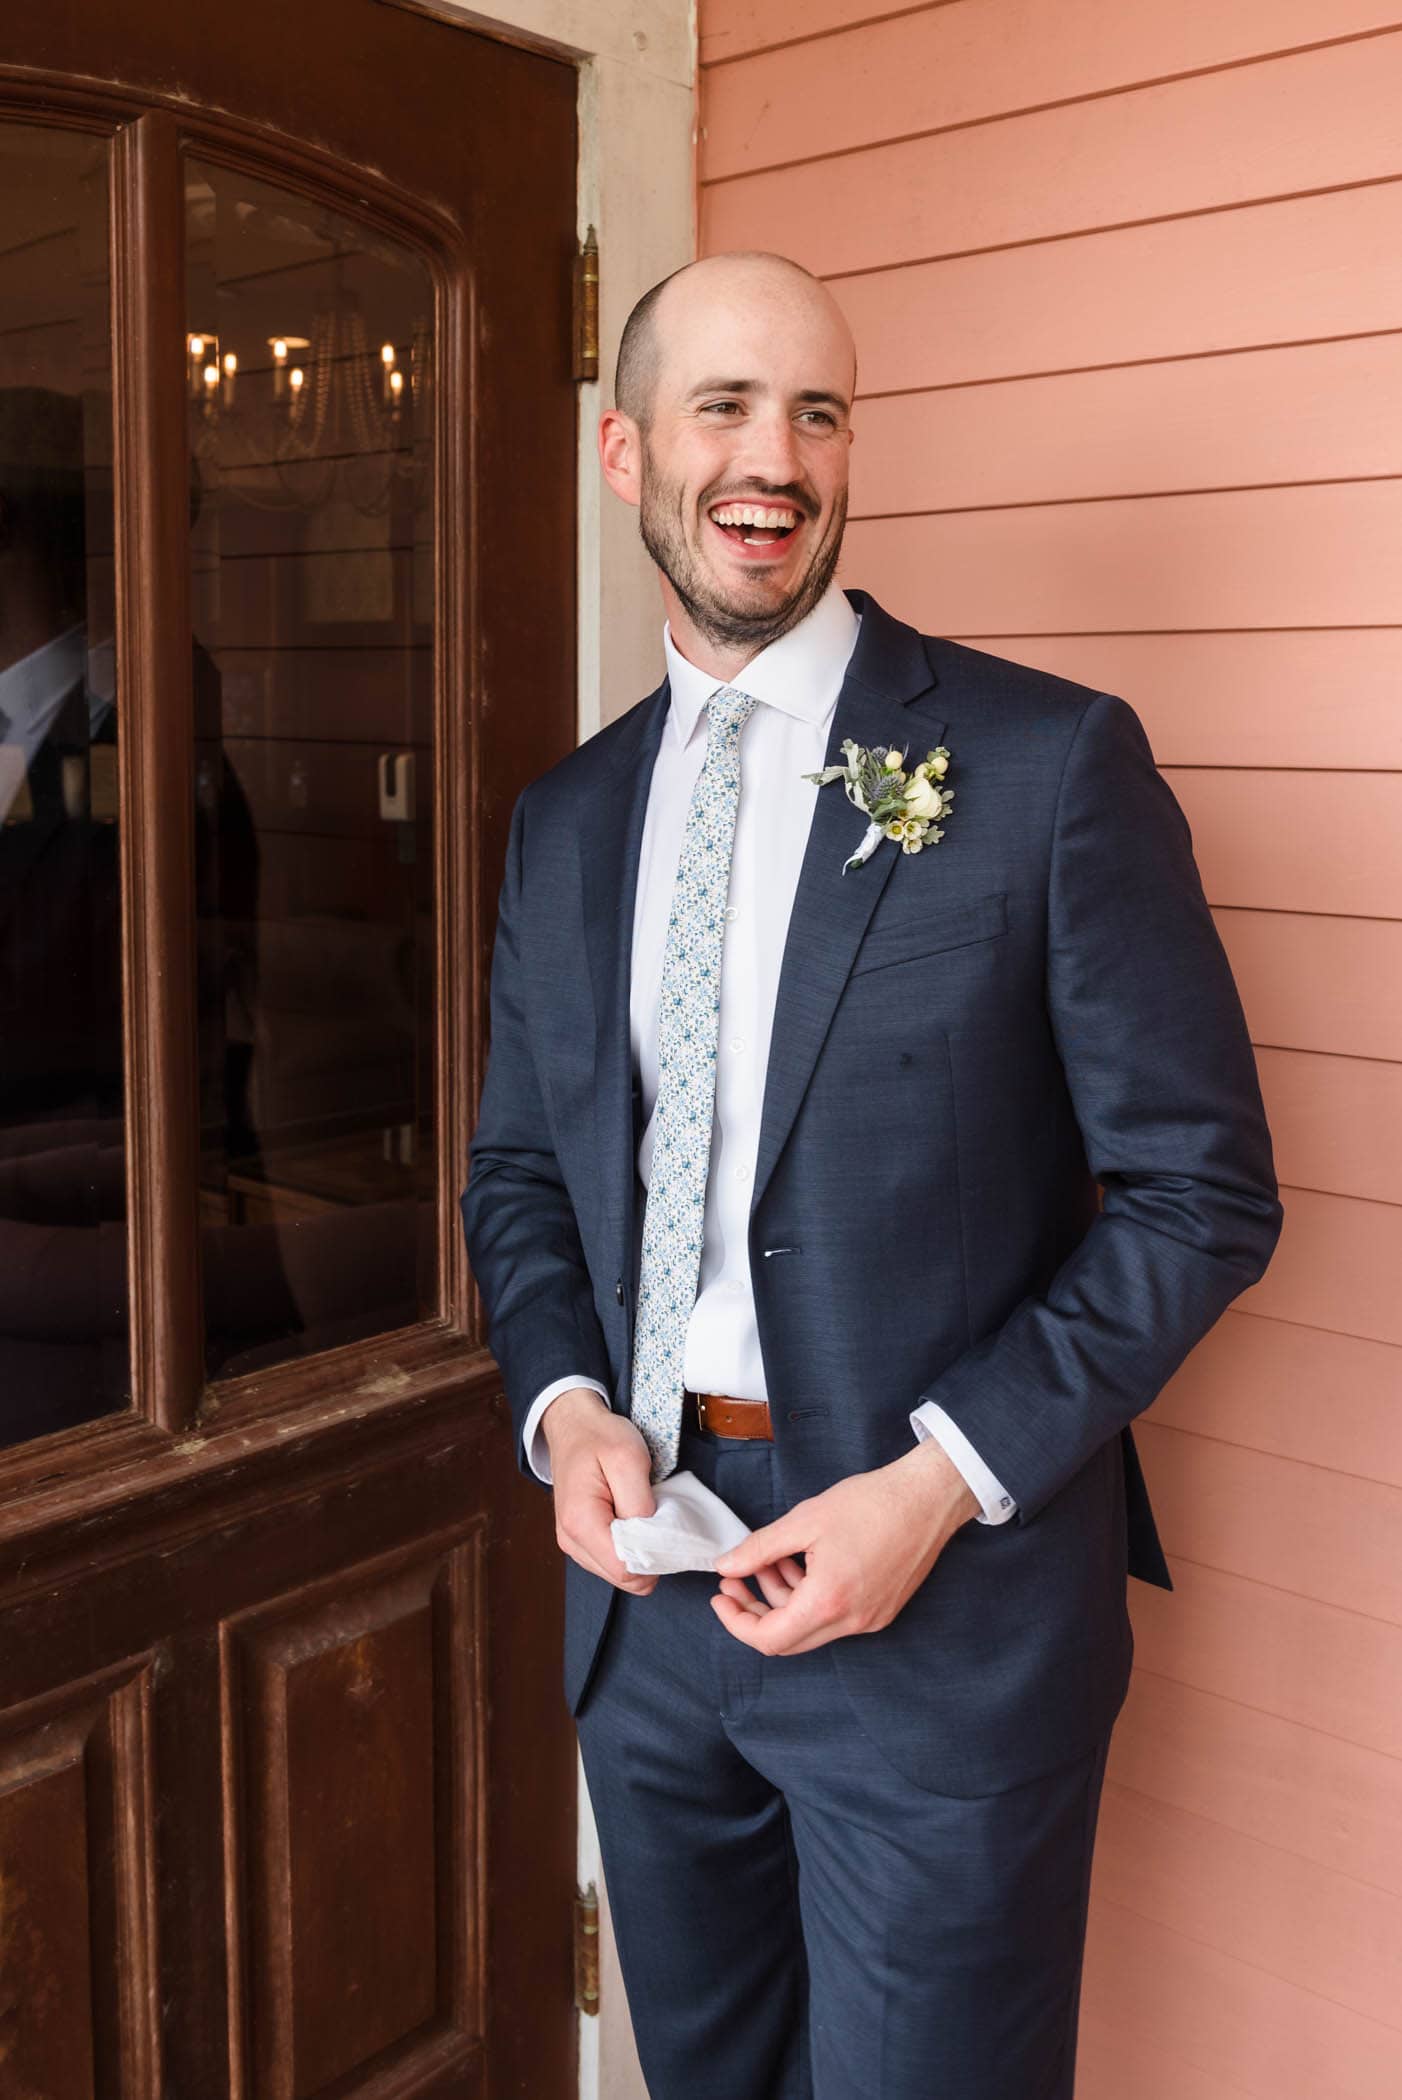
746 284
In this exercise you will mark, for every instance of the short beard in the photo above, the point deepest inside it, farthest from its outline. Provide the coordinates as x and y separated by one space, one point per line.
721 623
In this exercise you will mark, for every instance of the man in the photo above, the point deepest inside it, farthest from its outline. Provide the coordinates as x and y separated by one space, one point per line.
820 1144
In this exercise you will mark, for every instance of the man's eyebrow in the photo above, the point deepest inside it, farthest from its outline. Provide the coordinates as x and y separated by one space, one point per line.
814 396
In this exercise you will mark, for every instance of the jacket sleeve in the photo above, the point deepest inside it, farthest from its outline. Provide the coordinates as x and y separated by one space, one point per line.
1154 1044
522 1236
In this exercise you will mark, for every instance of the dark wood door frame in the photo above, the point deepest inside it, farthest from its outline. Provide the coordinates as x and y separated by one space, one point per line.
198 1491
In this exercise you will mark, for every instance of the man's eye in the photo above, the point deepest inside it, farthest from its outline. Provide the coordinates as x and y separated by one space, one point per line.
821 415
712 405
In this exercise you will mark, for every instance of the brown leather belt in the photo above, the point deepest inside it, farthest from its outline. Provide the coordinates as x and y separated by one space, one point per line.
723 1415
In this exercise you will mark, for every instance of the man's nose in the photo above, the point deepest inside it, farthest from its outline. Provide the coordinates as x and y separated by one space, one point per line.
770 453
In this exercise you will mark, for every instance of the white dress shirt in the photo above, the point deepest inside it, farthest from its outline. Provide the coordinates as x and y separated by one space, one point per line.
795 681
31 693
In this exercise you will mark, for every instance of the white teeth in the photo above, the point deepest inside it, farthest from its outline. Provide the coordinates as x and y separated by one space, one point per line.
754 514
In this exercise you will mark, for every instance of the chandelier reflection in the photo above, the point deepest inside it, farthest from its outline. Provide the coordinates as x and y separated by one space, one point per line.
295 422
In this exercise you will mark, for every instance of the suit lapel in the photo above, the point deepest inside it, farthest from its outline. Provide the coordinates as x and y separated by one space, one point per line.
610 846
889 669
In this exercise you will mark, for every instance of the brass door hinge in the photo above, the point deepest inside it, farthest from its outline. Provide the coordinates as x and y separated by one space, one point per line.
586 308
586 1949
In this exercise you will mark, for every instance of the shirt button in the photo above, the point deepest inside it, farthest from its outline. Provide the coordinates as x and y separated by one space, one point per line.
736 1285
732 911
742 1173
737 1042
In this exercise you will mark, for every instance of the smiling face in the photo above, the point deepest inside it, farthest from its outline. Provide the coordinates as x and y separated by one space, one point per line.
738 462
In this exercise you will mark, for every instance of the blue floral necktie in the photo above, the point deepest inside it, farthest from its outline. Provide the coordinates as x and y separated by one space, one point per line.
688 1023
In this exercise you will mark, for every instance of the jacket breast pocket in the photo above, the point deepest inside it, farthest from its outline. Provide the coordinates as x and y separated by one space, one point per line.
913 936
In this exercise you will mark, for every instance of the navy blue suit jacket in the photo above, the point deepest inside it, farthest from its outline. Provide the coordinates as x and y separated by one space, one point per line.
966 1042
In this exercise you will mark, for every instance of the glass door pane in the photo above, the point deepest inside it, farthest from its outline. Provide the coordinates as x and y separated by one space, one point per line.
309 381
64 1354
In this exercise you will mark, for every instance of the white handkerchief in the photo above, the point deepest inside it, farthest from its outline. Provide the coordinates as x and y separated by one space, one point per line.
689 1528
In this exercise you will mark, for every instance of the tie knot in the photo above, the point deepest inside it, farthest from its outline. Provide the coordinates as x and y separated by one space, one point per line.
728 707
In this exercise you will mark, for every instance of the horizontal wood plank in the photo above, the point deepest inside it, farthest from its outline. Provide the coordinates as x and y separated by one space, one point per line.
1282 841
1335 1265
965 64
1309 1925
1159 1990
1282 272
737 26
1296 1788
327 695
1317 1664
1336 1122
1267 698
1327 1400
1321 412
1102 2053
1309 982
1294 557
1327 1536
1222 138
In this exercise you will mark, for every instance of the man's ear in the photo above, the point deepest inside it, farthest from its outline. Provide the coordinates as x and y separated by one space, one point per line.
621 454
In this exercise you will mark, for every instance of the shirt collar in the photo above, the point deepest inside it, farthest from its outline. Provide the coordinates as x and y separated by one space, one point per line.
801 674
31 690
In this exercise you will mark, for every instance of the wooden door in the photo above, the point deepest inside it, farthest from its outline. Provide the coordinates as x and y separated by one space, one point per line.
287 431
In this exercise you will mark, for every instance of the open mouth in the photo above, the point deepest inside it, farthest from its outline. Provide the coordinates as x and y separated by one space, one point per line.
756 526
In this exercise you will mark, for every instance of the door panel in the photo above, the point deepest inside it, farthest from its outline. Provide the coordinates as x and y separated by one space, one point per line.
311 348
357 1929
279 1618
63 1322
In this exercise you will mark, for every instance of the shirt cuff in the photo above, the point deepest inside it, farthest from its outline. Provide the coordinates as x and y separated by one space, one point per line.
930 1420
533 1436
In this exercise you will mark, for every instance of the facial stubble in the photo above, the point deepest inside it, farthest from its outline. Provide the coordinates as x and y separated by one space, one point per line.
728 622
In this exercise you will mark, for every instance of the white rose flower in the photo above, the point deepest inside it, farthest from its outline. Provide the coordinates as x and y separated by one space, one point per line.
939 765
921 799
892 762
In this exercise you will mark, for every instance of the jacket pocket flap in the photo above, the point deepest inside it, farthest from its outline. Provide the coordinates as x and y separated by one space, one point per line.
931 931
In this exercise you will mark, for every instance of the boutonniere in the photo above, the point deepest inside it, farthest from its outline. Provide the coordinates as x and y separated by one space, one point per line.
899 805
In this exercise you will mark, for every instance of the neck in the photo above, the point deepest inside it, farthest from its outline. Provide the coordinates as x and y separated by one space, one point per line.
24 628
30 612
720 660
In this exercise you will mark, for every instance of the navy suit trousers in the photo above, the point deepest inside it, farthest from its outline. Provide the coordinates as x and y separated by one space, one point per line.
796 1919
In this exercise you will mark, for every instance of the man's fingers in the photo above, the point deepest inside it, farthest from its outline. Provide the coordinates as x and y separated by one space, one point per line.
734 1588
583 1531
789 1534
800 1624
777 1583
626 1467
608 1565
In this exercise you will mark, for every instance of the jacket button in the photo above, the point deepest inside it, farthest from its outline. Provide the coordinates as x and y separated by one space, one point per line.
618 1290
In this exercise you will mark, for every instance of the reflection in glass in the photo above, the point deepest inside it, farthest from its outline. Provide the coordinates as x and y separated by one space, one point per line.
308 381
64 1357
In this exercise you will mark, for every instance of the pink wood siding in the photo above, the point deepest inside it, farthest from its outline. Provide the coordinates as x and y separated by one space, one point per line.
1127 287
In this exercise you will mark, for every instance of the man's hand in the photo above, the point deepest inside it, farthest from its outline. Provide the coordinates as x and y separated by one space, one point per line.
601 1469
868 1543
